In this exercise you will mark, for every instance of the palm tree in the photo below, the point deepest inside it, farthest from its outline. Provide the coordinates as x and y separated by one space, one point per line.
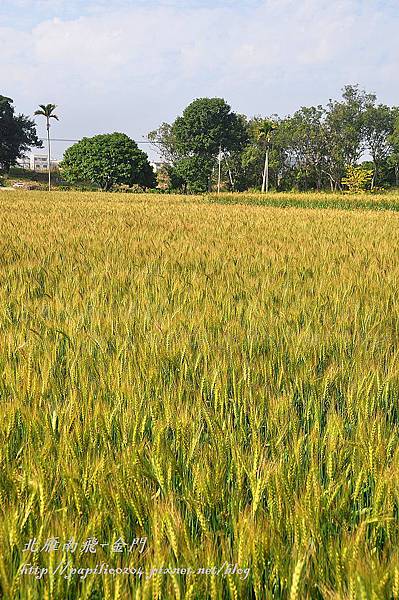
263 135
47 110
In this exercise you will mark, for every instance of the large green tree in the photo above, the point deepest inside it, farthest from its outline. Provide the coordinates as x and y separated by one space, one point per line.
17 134
107 160
345 128
306 146
393 158
379 123
206 127
193 141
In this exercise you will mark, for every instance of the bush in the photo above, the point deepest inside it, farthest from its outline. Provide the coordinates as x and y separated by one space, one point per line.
358 179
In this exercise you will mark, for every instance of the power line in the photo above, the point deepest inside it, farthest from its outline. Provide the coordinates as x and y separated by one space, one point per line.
65 140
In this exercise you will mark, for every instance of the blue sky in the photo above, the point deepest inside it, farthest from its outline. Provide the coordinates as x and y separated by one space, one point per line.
128 65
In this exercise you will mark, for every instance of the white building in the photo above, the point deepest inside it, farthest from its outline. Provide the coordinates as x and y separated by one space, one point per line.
23 162
39 162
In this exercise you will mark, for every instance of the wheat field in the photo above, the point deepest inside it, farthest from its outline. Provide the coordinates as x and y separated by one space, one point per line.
218 383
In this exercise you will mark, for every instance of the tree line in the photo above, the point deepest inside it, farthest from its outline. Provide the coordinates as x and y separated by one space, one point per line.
314 148
211 147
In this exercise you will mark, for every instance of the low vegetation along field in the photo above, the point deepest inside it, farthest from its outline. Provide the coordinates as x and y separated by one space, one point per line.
222 380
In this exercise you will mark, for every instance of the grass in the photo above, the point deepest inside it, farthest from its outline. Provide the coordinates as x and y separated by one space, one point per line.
221 379
38 180
343 201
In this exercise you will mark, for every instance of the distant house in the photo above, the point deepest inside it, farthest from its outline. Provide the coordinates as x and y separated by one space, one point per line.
39 162
24 162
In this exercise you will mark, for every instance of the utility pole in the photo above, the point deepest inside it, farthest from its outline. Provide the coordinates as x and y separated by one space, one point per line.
230 175
264 136
219 167
265 181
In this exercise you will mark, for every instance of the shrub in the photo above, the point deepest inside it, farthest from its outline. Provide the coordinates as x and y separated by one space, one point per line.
357 179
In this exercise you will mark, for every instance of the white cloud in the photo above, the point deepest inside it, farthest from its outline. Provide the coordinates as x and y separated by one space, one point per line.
129 68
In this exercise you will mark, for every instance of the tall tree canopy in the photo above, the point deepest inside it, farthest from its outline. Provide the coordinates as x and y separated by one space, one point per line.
17 134
379 124
310 149
107 160
194 139
393 158
306 145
